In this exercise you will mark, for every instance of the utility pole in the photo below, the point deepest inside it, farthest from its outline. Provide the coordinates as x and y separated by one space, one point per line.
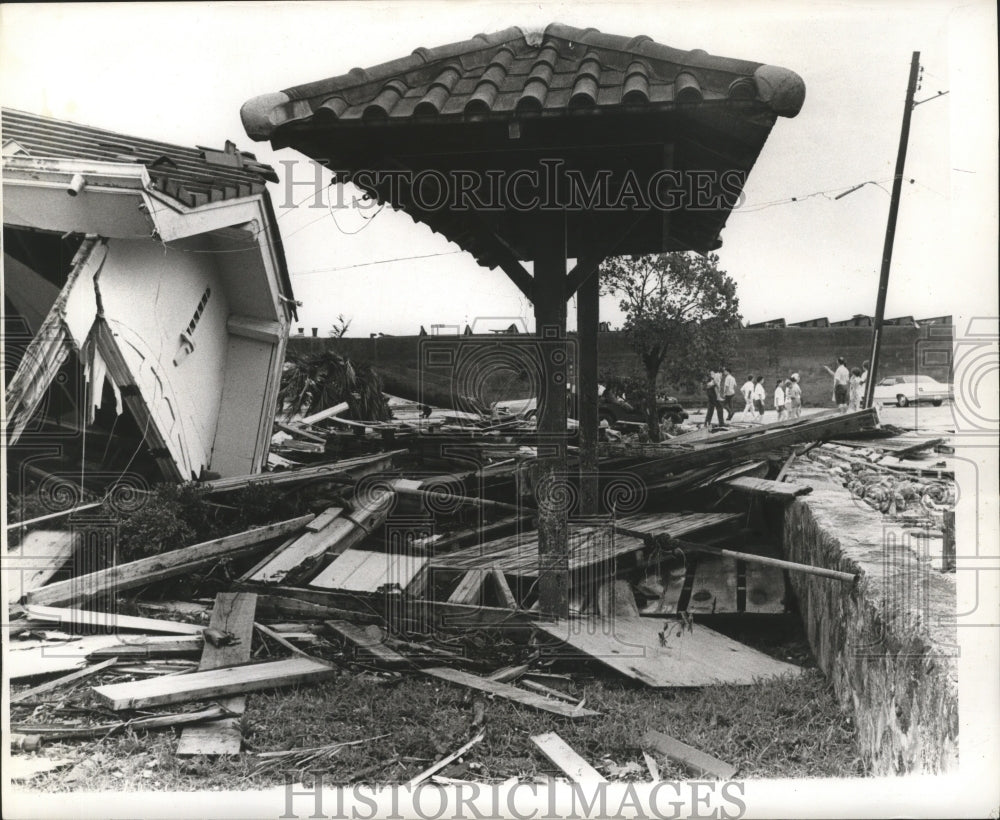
890 230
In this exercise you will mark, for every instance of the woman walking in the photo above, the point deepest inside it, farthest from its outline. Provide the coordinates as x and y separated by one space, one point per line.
795 397
779 399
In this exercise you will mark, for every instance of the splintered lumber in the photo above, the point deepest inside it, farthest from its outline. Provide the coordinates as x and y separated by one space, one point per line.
697 762
364 640
562 755
73 677
739 445
340 533
66 616
665 654
508 692
350 467
163 566
518 554
785 490
494 687
367 571
445 761
503 590
53 657
214 683
279 639
321 534
470 587
143 647
104 729
39 556
232 614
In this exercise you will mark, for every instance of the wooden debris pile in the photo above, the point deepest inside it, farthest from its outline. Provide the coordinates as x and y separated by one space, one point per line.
425 566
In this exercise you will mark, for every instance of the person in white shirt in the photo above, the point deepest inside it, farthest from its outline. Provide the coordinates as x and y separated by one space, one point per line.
779 399
841 377
759 397
747 391
728 392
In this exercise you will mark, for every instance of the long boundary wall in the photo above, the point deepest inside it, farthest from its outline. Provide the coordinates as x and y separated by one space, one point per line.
770 352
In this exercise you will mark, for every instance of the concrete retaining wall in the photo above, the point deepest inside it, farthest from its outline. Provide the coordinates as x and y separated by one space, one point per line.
881 644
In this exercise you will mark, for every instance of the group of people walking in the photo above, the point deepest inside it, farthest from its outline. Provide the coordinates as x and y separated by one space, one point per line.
786 398
720 390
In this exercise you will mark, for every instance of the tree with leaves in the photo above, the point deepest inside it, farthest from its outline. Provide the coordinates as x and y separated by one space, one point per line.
681 316
312 382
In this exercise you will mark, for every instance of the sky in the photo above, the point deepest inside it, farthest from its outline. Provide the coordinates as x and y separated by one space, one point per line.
180 73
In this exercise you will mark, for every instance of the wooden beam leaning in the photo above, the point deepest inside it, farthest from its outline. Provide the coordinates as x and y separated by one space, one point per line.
160 567
233 614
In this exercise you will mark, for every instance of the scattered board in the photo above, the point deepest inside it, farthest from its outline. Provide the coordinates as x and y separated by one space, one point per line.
697 762
214 683
108 621
633 647
367 571
562 755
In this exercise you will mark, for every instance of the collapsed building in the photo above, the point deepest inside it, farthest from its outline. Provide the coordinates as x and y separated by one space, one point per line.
144 279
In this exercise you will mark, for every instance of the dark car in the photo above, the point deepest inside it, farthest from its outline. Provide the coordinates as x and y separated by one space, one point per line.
615 411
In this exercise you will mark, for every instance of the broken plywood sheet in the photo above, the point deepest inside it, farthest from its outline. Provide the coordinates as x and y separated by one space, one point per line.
53 657
367 571
634 647
233 614
33 562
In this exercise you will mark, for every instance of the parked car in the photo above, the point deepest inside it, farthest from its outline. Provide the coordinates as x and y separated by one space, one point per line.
905 390
608 409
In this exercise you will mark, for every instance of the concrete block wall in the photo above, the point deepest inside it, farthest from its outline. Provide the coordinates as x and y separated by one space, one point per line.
882 644
760 351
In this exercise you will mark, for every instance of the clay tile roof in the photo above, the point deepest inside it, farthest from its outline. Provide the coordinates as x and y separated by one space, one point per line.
193 176
513 72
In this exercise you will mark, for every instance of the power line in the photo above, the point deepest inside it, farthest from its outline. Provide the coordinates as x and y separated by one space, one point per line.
375 262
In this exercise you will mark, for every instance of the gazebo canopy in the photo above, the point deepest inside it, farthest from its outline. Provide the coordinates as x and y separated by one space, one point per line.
642 147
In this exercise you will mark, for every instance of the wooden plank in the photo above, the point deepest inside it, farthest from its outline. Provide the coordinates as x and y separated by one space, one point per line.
469 589
354 467
508 692
72 677
163 566
367 571
568 761
65 616
214 683
714 589
765 590
445 761
366 641
324 519
640 649
503 589
52 657
33 562
696 761
615 600
785 490
232 614
143 646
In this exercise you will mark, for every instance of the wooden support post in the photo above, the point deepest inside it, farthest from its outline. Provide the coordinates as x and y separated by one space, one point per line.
948 553
587 319
550 327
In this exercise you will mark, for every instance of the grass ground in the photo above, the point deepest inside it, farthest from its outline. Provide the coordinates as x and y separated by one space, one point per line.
789 727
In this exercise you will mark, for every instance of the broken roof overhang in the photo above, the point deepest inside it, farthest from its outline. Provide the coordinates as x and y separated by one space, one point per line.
508 102
192 176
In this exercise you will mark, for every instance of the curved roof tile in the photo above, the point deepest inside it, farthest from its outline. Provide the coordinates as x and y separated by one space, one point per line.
512 72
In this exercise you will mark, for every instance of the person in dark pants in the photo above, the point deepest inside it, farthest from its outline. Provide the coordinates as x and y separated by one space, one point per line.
712 397
728 392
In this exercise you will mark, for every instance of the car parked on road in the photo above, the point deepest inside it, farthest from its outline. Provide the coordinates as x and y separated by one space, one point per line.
609 409
906 390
